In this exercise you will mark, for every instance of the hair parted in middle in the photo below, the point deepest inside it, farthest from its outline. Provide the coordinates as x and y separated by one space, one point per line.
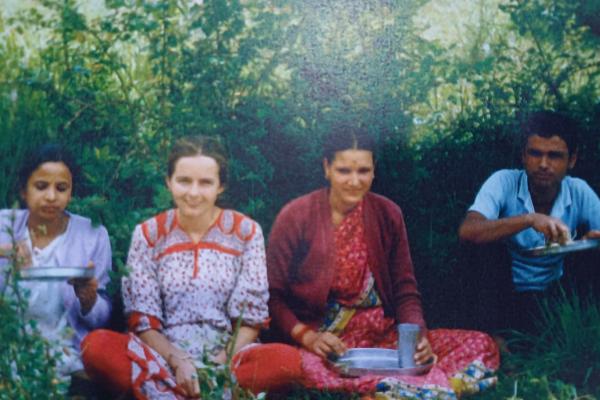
347 136
194 145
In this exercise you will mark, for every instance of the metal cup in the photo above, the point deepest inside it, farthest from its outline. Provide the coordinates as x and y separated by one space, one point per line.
408 338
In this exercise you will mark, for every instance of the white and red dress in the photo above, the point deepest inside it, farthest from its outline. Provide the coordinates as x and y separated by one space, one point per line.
193 293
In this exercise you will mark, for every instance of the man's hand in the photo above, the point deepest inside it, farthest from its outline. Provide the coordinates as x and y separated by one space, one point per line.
553 228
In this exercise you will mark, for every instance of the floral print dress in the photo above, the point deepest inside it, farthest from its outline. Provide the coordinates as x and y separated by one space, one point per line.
191 292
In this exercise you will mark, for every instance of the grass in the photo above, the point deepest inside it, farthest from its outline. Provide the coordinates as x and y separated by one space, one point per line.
562 362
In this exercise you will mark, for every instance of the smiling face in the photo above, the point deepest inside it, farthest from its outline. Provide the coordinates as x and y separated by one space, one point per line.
350 175
195 186
48 192
547 161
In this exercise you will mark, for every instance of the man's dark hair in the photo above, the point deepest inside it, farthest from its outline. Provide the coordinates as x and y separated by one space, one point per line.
551 123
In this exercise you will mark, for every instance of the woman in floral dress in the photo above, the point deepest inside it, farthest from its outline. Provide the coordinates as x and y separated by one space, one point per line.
341 276
196 271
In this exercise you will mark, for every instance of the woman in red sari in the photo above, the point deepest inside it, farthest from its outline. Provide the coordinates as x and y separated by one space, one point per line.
341 276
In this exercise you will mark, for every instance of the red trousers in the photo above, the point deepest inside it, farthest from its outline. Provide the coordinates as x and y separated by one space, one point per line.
271 367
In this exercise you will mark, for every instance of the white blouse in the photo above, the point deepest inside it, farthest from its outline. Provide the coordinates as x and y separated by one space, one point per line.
46 306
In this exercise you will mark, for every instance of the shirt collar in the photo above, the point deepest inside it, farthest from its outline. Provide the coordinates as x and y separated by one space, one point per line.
562 201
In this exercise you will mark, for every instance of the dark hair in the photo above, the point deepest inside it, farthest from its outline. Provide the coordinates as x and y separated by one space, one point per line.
344 136
209 146
51 152
551 123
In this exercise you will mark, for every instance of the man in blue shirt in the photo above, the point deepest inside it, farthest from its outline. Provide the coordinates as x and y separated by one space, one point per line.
531 207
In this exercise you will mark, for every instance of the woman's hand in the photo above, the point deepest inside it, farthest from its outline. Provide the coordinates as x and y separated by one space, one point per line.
86 290
323 343
181 363
186 376
424 353
220 358
23 254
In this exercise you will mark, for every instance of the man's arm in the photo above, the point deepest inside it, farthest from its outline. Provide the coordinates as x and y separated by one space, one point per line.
478 229
592 235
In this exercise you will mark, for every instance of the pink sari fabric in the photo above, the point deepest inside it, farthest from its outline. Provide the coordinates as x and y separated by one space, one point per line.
368 327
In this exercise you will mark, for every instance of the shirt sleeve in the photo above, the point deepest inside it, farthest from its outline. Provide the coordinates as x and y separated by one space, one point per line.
251 292
141 292
491 197
590 207
283 243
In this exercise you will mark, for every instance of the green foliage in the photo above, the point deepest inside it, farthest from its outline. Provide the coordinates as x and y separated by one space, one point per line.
217 382
27 363
269 78
568 348
561 363
527 386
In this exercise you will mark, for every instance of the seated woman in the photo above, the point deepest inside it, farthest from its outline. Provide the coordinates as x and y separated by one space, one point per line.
196 271
49 236
341 276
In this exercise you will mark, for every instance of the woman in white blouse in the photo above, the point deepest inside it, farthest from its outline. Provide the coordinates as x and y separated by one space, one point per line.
46 235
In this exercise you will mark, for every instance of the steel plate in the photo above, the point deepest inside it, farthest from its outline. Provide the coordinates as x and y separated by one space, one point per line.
554 249
56 273
373 361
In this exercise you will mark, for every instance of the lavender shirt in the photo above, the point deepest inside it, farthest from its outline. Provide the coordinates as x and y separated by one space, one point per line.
82 243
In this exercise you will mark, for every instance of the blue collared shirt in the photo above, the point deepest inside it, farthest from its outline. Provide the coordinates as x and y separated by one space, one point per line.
506 194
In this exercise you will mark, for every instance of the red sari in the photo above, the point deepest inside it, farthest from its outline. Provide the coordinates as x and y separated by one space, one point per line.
465 358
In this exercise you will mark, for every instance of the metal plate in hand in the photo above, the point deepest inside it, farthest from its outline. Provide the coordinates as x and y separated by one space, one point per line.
554 249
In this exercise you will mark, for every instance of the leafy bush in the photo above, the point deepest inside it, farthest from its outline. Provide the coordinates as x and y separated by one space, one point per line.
27 363
269 77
